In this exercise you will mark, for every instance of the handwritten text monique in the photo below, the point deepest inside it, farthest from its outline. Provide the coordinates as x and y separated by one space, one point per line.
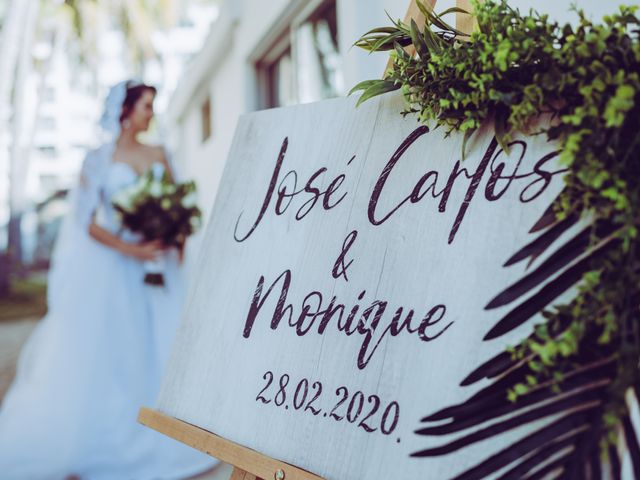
371 321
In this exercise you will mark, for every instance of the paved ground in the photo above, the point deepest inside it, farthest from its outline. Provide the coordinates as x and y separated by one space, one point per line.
13 334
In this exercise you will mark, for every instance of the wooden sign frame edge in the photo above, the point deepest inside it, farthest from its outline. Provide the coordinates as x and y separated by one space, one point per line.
249 464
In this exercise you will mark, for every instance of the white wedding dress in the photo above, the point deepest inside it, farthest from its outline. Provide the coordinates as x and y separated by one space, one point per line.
96 357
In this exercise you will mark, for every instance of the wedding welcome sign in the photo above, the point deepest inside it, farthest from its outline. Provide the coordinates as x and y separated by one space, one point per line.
342 285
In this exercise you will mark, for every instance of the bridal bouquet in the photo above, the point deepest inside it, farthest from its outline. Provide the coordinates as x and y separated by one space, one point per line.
158 209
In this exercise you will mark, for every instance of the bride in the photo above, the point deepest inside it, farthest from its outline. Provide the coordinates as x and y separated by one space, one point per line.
99 353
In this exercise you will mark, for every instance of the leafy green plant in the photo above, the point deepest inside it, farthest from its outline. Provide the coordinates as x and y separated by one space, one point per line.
28 299
576 367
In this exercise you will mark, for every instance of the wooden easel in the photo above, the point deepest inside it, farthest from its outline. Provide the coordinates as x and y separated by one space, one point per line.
247 463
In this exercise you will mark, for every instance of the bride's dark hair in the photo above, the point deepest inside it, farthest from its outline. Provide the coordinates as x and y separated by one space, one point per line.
134 93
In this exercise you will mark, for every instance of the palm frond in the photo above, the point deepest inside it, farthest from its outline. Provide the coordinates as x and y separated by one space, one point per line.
565 413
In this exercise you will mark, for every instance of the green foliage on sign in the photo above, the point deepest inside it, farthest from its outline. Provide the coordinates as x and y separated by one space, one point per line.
512 70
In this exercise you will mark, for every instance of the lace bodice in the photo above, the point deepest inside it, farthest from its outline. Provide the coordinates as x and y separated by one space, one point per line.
101 179
118 176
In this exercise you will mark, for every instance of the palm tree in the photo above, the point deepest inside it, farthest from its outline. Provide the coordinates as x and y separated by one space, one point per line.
18 27
21 133
569 413
137 19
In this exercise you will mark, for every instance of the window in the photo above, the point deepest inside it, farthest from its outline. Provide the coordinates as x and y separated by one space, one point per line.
303 65
47 150
48 182
48 94
280 86
317 55
47 123
205 114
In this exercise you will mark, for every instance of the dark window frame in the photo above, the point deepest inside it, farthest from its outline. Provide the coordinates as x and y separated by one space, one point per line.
206 119
285 44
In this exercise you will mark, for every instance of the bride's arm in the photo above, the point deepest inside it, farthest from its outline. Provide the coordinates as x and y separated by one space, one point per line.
141 251
86 201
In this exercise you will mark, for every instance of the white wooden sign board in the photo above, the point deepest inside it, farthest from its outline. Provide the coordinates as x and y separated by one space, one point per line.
335 386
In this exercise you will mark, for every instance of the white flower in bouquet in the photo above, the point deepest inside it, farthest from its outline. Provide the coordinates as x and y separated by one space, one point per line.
189 200
155 189
124 198
195 222
157 171
138 187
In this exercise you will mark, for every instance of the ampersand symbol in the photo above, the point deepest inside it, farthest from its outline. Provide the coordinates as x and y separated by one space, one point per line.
340 268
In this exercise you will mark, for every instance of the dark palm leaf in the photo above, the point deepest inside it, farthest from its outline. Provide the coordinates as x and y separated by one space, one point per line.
614 463
632 445
573 422
537 456
540 300
479 409
556 262
547 219
540 244
567 413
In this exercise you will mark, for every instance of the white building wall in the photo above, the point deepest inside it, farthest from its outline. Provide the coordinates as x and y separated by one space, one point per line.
225 69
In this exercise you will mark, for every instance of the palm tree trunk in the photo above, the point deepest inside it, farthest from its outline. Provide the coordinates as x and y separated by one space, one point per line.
22 133
10 45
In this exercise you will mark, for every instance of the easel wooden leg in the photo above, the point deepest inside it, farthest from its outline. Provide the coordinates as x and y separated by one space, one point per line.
464 22
239 474
242 458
